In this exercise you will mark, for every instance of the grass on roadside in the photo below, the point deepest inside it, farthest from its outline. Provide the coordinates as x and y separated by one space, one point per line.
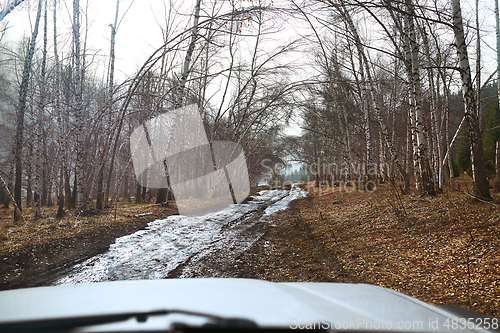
48 228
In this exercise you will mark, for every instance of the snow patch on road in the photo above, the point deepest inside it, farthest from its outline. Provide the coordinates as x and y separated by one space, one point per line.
295 193
165 244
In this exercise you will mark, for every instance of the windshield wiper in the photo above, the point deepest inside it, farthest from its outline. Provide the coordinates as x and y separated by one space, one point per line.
67 324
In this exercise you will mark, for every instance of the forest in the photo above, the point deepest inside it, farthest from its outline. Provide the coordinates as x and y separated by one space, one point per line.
353 91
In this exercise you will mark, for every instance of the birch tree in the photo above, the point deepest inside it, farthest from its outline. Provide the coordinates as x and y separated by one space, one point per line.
9 7
109 104
21 110
59 117
39 120
189 54
481 186
79 170
423 176
162 193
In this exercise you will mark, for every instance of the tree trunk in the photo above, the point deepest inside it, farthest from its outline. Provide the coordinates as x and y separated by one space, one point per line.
43 168
39 175
21 111
8 189
100 196
448 148
478 66
189 54
8 198
60 205
183 79
67 189
497 30
60 195
50 203
409 152
126 190
138 192
424 174
110 98
61 190
381 160
434 140
29 190
9 7
37 171
366 118
440 136
481 186
79 172
74 192
161 197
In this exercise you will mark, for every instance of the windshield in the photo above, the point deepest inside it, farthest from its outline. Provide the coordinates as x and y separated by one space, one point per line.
285 141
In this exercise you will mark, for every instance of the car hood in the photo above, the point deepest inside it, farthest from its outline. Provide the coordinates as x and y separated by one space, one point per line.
295 305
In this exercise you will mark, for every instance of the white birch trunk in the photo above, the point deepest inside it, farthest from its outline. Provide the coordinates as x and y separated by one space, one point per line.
60 122
9 7
80 200
447 157
110 108
440 135
434 139
21 111
481 186
189 54
39 120
411 102
366 115
423 182
347 136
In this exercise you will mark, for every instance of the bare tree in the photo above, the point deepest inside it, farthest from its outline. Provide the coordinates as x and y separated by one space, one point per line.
189 54
9 7
109 104
481 186
21 110
423 176
39 120
79 170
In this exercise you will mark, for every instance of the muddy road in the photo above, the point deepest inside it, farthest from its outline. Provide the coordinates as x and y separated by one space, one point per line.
181 246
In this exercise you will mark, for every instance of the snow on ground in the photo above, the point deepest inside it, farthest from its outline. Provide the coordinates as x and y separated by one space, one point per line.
165 244
295 193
